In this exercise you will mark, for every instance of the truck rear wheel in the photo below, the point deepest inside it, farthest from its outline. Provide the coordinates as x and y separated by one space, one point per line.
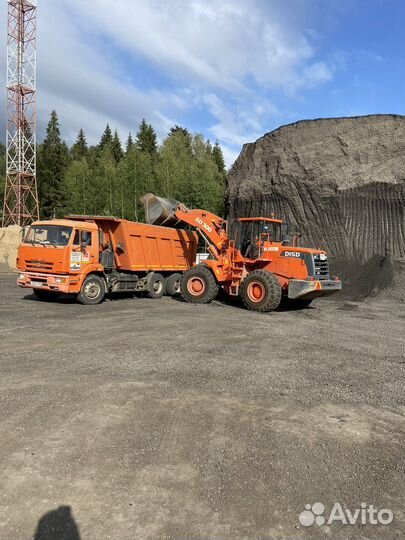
156 286
198 285
47 296
93 290
261 291
173 284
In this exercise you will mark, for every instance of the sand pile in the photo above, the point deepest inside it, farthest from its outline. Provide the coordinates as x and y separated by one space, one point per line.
10 238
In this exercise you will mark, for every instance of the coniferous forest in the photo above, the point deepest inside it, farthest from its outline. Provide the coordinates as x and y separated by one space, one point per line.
109 178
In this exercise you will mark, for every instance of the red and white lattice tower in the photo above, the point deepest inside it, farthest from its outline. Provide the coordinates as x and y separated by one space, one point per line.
21 205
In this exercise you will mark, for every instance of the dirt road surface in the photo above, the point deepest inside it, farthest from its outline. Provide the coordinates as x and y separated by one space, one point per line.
156 419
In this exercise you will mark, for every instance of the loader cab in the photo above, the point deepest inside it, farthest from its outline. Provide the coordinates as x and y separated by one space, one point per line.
257 236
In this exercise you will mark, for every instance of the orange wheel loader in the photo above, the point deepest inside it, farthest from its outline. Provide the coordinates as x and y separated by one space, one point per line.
258 264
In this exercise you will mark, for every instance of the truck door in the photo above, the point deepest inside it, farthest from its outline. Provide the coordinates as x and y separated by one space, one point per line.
84 249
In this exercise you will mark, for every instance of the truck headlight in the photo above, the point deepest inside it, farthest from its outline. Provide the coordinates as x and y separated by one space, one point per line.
21 276
60 280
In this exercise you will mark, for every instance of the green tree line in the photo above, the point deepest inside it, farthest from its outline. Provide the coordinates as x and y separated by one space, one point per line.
109 178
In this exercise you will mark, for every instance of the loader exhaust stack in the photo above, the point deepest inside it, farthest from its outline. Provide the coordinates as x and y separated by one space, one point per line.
160 211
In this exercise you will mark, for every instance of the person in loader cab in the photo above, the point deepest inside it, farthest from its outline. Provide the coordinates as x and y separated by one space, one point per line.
251 249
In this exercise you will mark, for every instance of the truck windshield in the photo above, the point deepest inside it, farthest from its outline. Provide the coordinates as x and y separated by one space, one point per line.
52 235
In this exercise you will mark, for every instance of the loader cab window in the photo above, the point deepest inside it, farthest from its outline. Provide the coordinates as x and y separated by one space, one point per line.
251 233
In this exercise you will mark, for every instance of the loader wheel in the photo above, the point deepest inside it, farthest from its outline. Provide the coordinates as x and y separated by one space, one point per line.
173 284
198 285
261 291
47 296
93 290
156 286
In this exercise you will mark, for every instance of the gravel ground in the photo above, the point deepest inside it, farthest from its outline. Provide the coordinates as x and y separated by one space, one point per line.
156 419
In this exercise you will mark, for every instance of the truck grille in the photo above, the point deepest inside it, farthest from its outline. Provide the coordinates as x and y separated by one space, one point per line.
321 266
38 265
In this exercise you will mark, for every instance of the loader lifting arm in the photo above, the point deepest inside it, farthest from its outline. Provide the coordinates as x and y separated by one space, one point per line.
210 226
160 211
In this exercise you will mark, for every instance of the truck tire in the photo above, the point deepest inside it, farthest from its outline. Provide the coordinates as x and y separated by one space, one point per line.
93 290
198 285
156 286
173 284
261 291
47 296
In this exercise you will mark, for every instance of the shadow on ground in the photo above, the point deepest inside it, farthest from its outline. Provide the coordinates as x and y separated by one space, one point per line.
57 524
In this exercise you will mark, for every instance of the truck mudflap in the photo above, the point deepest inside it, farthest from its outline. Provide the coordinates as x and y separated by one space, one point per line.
307 290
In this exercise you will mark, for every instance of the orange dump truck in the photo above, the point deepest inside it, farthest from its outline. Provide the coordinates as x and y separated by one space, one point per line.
89 256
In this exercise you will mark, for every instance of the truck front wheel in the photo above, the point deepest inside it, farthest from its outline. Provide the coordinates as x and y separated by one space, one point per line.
198 285
93 290
261 291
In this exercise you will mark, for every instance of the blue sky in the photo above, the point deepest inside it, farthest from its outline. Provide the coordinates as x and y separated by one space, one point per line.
229 69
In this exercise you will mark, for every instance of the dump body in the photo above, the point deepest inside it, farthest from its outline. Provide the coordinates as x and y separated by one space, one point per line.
142 247
58 255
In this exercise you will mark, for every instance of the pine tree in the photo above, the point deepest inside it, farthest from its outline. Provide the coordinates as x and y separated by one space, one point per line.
174 167
181 134
117 148
80 148
219 158
76 186
178 129
136 177
102 187
101 180
106 138
146 140
130 143
53 157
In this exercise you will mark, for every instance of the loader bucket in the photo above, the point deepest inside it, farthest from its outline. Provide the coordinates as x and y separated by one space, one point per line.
160 211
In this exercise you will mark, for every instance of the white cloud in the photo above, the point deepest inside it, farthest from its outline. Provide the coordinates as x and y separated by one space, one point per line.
215 43
223 58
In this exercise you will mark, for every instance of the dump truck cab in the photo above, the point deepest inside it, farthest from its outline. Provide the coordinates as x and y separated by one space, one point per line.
56 255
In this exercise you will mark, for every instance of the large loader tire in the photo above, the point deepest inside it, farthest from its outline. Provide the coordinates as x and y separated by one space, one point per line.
198 285
157 286
173 284
261 291
93 290
47 296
